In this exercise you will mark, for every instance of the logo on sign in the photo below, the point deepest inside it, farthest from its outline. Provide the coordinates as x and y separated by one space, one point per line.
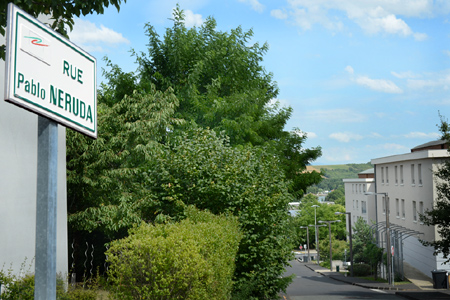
36 41
34 45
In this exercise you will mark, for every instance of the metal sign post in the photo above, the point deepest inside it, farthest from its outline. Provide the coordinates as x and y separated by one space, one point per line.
52 77
45 263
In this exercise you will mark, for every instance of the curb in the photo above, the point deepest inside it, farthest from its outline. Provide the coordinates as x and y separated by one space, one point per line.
388 288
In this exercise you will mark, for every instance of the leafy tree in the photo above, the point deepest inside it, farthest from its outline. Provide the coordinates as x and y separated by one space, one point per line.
439 216
61 11
221 85
324 212
337 196
337 247
365 249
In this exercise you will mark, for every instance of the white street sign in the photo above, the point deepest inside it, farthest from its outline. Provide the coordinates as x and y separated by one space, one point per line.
49 75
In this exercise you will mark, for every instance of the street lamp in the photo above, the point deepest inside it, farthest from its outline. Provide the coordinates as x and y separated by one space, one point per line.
329 231
307 240
350 236
315 224
317 248
388 232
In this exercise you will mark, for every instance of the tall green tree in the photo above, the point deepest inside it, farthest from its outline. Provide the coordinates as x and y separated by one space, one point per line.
439 216
365 249
62 12
221 84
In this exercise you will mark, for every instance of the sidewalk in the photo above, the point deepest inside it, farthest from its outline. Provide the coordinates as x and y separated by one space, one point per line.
420 288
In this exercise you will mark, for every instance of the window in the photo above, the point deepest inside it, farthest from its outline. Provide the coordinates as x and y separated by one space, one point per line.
413 180
421 209
353 188
384 206
397 207
364 188
396 174
387 175
357 204
382 175
414 211
363 207
353 204
419 173
403 208
401 174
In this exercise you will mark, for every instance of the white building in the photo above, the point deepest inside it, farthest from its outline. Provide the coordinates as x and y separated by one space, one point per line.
410 184
356 202
18 180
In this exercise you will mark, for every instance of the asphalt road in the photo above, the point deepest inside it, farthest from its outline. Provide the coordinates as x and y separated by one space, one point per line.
309 285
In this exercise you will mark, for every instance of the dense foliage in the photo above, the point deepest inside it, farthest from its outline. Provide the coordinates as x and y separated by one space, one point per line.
191 259
334 174
62 12
439 216
193 126
365 249
22 288
337 196
324 212
221 84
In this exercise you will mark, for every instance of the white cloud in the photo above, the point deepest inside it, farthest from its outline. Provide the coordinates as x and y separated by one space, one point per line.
335 154
92 37
279 14
422 135
375 135
373 16
345 137
395 147
406 74
191 19
311 135
339 115
420 36
349 69
446 52
432 80
379 85
255 4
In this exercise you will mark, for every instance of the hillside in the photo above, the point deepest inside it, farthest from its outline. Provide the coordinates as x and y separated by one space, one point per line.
333 174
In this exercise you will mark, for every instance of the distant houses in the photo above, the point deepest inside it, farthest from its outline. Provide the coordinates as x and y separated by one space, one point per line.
409 183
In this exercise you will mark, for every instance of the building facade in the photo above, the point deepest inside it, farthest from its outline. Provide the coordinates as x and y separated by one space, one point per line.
409 183
356 202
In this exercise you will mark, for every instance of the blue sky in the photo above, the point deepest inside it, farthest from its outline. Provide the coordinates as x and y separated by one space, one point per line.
366 78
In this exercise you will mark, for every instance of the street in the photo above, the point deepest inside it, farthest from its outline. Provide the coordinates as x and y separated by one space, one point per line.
309 285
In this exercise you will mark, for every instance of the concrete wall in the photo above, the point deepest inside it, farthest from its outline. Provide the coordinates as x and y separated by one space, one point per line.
421 257
18 176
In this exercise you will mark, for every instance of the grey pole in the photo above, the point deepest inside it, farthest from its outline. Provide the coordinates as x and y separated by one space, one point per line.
45 264
315 224
307 240
351 246
329 233
350 238
331 252
388 238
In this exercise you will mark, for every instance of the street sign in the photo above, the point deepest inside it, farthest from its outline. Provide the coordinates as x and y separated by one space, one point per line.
301 247
392 250
49 75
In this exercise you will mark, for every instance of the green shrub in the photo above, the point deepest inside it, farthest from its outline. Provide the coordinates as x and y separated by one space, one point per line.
192 259
81 294
22 288
361 270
